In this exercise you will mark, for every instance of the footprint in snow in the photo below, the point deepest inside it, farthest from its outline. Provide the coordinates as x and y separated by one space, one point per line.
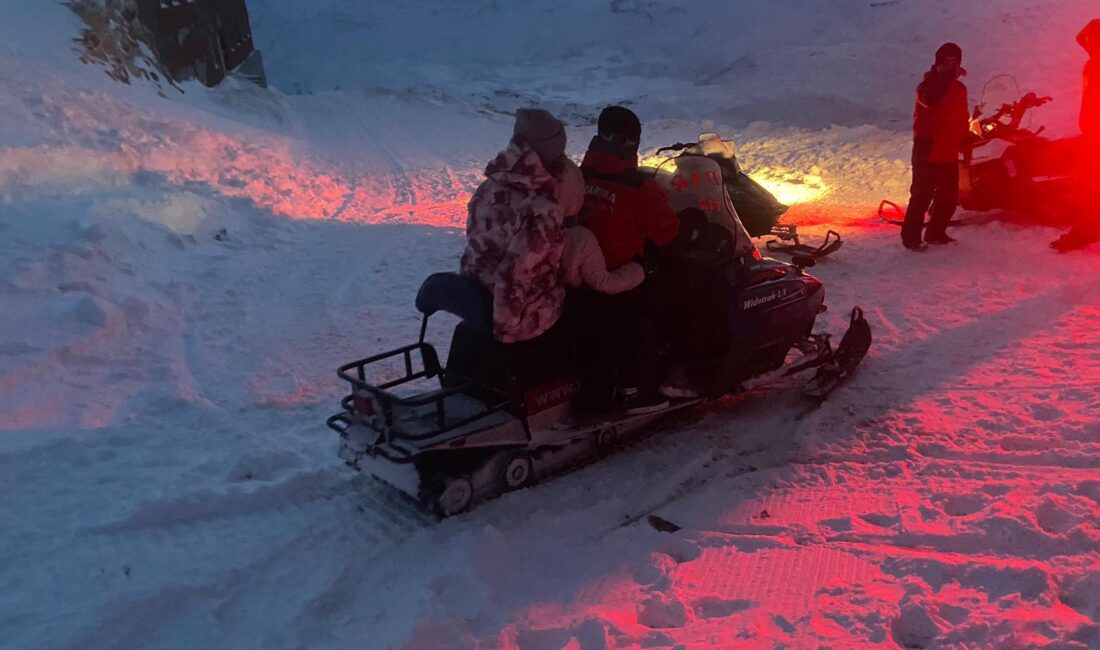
263 466
713 607
961 505
881 520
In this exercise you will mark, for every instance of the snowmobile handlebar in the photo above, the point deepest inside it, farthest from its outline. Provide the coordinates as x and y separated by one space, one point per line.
679 146
1004 124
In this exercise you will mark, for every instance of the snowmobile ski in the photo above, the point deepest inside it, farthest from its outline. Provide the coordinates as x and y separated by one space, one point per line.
839 364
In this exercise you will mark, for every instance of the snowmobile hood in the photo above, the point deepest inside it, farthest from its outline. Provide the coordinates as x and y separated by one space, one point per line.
519 166
1091 35
606 162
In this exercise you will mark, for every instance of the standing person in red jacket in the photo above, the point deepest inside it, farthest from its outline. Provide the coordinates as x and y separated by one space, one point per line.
941 120
624 209
1087 228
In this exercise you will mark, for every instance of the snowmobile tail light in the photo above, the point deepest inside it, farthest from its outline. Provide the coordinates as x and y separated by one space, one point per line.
364 405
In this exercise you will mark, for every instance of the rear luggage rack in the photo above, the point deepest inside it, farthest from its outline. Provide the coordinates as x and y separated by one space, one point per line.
416 417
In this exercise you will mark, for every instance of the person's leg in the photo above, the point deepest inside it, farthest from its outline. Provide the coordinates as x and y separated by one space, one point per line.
702 338
1088 214
921 193
713 335
635 310
673 299
640 338
588 314
946 177
1086 208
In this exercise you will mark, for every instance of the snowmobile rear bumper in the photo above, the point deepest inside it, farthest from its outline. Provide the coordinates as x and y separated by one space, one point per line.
796 248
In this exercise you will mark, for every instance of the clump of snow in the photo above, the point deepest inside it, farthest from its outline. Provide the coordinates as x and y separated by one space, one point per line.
660 610
914 627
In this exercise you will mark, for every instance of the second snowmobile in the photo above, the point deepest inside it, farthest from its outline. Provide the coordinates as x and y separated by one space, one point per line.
496 417
1009 166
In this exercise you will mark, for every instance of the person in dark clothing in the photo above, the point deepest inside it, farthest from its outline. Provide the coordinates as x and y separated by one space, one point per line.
614 334
941 121
625 209
1086 230
694 306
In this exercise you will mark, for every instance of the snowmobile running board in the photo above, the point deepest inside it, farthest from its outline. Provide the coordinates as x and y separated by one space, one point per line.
447 489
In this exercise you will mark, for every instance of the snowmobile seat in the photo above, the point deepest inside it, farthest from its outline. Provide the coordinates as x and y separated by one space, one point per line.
458 294
513 369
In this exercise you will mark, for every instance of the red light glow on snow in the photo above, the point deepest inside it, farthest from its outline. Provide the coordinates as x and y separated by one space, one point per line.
265 170
271 175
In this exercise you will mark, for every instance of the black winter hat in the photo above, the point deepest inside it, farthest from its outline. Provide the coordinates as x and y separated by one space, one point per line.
620 121
949 51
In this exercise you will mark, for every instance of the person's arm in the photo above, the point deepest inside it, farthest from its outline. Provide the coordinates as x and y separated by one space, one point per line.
658 221
593 266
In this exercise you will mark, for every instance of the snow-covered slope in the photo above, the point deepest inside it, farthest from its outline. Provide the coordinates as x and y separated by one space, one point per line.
180 276
807 63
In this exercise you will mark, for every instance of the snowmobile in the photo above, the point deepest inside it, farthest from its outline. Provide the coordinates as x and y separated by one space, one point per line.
1007 165
1021 170
757 208
496 417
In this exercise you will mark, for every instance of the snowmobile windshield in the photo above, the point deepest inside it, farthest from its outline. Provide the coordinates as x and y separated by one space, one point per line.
695 181
713 146
1001 91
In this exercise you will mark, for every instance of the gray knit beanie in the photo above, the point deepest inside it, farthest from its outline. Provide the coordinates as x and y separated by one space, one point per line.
542 131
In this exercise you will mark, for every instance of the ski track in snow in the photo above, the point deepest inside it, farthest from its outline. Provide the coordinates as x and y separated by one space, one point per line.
186 275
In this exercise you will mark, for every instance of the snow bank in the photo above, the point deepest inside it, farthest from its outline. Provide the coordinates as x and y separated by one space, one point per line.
796 62
180 275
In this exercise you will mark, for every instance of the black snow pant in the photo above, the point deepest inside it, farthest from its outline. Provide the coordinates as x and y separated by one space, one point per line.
694 320
935 185
615 343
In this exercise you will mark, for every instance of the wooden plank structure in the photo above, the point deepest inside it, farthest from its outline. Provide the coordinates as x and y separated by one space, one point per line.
203 39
